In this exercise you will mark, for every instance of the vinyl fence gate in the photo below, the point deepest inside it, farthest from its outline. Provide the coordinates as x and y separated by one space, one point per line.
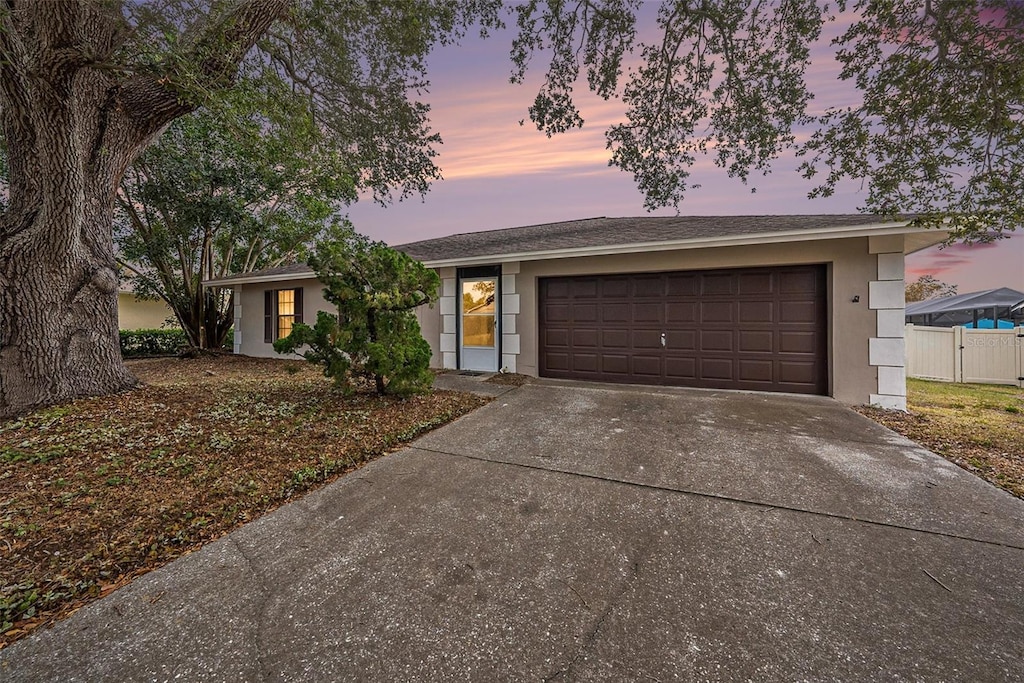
961 354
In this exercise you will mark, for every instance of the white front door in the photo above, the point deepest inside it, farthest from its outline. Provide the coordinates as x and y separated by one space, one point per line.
478 324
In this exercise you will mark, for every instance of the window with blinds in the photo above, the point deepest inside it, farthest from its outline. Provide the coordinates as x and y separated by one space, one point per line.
282 308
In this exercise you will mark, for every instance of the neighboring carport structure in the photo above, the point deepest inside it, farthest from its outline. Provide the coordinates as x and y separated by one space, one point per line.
1002 304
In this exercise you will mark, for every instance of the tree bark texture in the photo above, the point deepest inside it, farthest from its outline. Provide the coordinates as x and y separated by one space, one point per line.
73 122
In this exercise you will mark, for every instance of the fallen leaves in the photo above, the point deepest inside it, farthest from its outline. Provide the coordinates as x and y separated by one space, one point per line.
96 492
509 379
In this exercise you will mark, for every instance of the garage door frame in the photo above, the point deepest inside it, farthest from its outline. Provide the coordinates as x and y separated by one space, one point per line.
796 295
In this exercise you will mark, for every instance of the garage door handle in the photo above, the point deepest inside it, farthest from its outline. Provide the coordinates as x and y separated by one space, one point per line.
663 339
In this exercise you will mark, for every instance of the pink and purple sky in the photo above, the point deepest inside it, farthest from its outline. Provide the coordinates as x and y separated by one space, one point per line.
498 174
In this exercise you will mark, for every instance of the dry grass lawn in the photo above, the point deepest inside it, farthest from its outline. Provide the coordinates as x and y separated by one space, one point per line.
980 427
97 492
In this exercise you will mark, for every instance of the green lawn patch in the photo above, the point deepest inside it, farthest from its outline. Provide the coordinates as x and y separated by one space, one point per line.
977 426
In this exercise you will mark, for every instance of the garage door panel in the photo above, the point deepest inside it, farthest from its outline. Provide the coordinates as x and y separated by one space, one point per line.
800 282
556 289
716 340
797 342
756 341
557 362
681 368
584 313
756 370
753 328
646 366
613 287
585 288
757 283
615 364
584 362
648 313
649 287
680 312
717 369
682 284
556 338
756 312
798 312
616 312
797 372
556 313
586 338
718 284
717 312
680 340
615 339
646 339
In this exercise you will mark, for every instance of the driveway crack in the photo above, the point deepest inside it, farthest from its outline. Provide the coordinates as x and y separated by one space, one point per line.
626 584
260 607
724 498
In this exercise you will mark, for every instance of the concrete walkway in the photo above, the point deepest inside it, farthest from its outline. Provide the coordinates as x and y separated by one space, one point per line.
579 532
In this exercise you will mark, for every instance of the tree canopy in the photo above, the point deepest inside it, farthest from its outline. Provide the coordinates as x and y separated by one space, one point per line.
935 130
242 184
928 287
87 85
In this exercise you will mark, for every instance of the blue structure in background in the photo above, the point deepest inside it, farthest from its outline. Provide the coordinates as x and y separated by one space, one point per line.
986 324
975 309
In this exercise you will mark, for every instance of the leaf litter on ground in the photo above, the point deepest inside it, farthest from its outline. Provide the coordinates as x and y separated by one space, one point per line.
99 491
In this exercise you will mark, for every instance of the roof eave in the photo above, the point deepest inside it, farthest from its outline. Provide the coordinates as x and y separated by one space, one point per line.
867 230
256 279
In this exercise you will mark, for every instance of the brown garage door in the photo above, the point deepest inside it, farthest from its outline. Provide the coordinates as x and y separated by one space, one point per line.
757 328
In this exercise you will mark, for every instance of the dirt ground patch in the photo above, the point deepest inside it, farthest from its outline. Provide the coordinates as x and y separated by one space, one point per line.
99 491
509 379
980 427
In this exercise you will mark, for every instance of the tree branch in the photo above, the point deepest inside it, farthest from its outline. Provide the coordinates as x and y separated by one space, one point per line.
153 101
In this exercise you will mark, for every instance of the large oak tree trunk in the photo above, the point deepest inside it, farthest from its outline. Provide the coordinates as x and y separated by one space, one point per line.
58 305
72 125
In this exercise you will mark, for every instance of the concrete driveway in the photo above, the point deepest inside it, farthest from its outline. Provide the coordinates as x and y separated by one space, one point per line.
578 532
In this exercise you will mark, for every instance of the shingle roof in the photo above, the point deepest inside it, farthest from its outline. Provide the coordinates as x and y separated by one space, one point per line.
1000 297
598 232
290 269
593 233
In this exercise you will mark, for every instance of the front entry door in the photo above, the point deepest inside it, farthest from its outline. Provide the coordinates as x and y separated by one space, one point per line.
478 312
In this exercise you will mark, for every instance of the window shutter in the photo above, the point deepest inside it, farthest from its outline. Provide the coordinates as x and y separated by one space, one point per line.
298 304
268 316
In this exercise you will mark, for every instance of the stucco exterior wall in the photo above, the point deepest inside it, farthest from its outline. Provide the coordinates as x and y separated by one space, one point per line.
249 313
249 316
429 318
865 281
850 325
852 267
141 314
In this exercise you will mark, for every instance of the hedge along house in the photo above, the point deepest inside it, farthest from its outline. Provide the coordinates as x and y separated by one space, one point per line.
801 304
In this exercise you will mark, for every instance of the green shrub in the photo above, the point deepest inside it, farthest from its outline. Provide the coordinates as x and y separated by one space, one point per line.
136 343
374 334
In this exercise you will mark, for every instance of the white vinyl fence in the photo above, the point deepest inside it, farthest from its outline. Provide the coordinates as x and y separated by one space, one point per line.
960 354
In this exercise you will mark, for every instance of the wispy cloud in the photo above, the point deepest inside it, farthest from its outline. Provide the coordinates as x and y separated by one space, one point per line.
973 267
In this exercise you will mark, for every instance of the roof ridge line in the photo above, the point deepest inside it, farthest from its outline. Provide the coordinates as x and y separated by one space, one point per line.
515 227
642 217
